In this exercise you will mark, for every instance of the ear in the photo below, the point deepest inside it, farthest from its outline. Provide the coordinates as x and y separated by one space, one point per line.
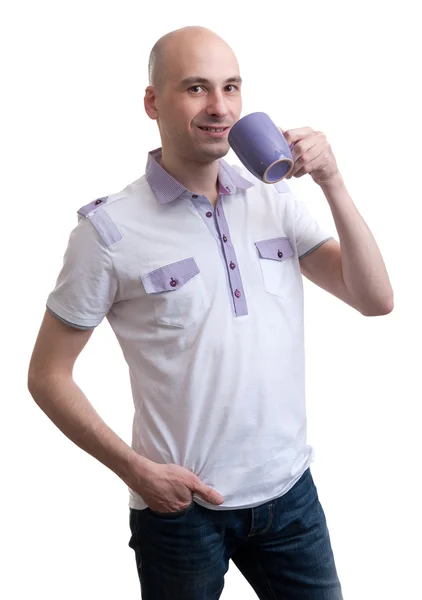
150 100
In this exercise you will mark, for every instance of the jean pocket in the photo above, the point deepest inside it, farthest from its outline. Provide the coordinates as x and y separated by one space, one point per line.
174 514
278 267
179 293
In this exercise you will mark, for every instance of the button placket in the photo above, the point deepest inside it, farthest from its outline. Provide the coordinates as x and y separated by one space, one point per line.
235 280
202 207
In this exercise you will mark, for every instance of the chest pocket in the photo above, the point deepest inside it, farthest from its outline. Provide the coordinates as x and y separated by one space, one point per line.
178 292
278 267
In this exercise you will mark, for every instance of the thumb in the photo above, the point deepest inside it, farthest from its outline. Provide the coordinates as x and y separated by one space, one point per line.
286 137
207 493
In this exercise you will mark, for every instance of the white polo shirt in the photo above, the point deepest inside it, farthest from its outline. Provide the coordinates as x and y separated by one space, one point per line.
207 305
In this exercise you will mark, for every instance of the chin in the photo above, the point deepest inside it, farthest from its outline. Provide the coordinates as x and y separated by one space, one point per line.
217 151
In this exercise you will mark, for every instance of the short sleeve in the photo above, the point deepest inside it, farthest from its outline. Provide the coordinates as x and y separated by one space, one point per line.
308 232
87 284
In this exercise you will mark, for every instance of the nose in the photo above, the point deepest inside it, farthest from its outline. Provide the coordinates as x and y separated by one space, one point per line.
217 105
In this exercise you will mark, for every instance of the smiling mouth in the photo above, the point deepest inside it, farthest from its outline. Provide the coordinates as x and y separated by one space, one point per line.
214 129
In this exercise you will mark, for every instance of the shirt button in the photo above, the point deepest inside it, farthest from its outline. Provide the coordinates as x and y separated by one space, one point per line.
237 294
280 254
173 282
224 238
209 214
194 196
232 265
98 201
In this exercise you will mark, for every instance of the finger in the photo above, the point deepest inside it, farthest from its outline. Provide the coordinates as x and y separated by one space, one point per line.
290 145
309 161
313 152
304 145
207 493
294 135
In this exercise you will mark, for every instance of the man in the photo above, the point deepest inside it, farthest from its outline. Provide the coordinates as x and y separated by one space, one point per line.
198 268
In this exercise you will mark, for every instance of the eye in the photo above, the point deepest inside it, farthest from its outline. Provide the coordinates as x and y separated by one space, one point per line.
195 87
233 86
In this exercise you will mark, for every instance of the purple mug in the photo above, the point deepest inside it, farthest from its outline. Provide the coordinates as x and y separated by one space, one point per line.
261 147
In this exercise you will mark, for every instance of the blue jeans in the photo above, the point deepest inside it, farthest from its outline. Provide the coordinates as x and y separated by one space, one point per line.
281 547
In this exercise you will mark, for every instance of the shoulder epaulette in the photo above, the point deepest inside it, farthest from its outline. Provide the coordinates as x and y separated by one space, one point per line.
92 206
101 220
281 186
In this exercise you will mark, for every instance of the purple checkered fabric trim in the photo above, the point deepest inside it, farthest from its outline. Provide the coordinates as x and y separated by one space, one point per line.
170 277
167 188
276 248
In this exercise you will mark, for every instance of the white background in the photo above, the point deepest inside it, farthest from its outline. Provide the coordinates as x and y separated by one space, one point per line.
74 129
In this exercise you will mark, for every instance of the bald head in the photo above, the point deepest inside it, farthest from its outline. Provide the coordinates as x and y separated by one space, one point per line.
168 51
194 81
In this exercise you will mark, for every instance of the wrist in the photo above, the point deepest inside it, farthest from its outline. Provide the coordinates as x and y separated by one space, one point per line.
135 467
335 182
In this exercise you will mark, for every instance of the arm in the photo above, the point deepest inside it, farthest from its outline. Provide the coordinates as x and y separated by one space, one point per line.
51 385
323 267
353 270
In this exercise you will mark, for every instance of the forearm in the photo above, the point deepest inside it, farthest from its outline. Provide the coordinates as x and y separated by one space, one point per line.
61 399
364 271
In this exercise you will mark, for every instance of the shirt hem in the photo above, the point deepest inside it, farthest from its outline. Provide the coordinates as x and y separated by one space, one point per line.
133 505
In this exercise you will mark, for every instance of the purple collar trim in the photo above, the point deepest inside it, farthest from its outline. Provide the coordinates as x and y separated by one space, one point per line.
167 188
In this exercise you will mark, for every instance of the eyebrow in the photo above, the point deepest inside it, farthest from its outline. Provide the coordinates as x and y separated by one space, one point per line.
192 80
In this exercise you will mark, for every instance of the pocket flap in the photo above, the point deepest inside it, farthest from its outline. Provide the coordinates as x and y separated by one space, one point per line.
276 248
170 277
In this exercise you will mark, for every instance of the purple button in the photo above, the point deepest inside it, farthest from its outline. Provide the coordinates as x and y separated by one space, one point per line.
224 238
279 254
209 214
173 282
98 201
232 265
237 294
194 196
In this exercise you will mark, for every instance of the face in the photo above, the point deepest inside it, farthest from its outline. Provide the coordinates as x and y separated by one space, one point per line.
202 89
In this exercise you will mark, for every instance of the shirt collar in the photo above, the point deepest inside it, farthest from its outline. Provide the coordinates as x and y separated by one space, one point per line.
167 188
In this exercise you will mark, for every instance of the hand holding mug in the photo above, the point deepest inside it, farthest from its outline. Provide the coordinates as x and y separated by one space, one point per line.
272 154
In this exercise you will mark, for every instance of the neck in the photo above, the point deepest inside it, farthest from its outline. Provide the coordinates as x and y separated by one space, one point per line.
198 178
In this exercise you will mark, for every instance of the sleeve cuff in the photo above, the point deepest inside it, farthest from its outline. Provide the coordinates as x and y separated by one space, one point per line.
315 246
70 319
